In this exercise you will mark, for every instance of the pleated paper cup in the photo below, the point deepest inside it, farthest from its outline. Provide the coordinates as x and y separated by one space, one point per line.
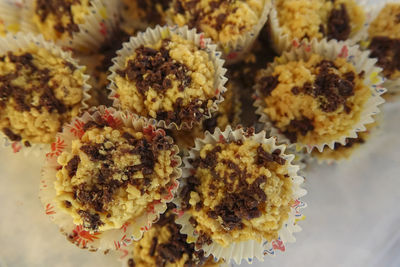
23 41
99 24
282 41
251 249
113 239
330 51
10 17
152 36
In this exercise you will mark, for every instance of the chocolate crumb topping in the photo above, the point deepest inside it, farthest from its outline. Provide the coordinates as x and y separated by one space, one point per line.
387 51
339 27
151 69
302 126
350 142
90 221
58 8
203 239
11 135
153 246
131 263
268 84
263 157
72 165
67 204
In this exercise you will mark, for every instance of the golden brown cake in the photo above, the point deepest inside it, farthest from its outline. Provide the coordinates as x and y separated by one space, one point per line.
384 40
308 19
164 245
172 80
222 21
314 102
39 93
111 175
238 191
59 20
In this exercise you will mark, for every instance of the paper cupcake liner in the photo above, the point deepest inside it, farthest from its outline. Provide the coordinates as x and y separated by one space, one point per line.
110 239
246 250
372 11
153 35
235 51
331 50
25 40
10 16
282 42
100 22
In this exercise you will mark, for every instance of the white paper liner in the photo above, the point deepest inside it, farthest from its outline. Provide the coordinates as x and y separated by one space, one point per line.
10 16
330 50
235 51
130 231
246 250
153 35
372 11
99 24
22 41
282 42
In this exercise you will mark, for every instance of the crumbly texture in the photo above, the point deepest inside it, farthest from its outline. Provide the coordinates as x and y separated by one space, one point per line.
314 102
110 176
384 34
345 151
149 12
172 80
307 19
164 246
59 19
222 21
238 191
226 115
38 93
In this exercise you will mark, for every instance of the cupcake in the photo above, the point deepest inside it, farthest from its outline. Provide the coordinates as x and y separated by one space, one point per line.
296 20
237 194
42 88
164 245
384 43
227 114
233 25
81 25
112 172
165 74
316 96
140 14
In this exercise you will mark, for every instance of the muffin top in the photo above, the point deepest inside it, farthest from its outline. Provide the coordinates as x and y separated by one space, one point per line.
238 191
59 20
151 12
172 80
112 174
38 93
164 245
315 101
384 34
308 19
222 21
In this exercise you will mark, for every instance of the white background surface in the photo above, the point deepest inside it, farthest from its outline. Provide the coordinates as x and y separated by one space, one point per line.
353 213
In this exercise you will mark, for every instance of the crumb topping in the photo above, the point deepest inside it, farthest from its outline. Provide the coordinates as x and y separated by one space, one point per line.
223 21
164 246
238 191
314 101
38 93
58 19
171 80
110 176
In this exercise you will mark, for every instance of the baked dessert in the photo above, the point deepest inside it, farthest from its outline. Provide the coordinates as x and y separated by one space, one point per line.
164 245
111 175
170 78
40 91
237 189
314 101
225 22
